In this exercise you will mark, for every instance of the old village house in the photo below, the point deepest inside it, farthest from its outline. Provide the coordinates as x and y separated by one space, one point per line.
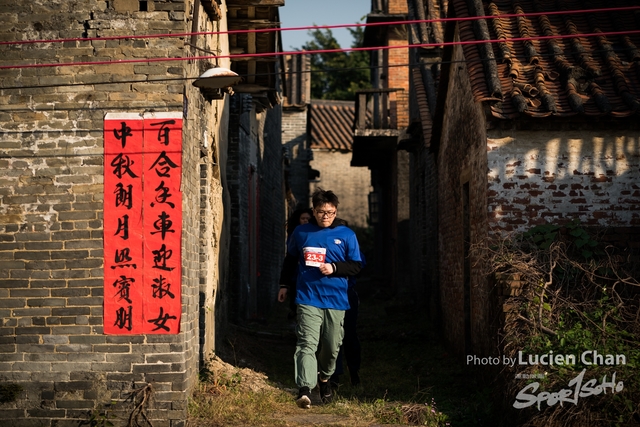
528 128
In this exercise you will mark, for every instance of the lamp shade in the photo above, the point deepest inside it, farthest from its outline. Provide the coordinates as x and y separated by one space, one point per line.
217 78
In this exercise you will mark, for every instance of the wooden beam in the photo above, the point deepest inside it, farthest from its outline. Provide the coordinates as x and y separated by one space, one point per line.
251 48
244 24
275 3
254 59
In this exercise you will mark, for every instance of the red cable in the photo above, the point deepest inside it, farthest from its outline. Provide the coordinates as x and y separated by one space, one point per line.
316 27
308 52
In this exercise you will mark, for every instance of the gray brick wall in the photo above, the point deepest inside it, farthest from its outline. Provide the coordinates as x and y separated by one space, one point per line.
255 179
237 175
272 213
51 211
404 273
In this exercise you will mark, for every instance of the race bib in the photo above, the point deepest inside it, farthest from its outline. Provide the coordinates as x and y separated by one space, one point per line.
314 257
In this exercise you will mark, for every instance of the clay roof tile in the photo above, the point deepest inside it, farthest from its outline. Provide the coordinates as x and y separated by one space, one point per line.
331 124
584 70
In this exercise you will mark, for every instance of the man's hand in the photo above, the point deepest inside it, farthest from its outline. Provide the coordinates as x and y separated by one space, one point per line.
282 294
326 269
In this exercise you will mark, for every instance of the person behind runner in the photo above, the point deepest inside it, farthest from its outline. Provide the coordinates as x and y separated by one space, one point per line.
298 217
350 342
325 253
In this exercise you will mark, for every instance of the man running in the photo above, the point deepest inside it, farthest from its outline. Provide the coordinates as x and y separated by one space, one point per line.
326 253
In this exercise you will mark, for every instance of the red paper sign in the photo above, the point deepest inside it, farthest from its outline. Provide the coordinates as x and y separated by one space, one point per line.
142 223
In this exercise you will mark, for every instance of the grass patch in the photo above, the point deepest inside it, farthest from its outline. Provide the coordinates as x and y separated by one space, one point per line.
212 406
407 378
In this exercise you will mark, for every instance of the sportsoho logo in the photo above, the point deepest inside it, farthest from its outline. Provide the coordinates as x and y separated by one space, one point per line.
577 387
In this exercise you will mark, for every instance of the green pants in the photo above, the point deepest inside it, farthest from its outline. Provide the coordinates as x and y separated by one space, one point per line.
317 327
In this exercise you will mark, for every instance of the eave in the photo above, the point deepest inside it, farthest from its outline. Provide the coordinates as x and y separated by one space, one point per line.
259 73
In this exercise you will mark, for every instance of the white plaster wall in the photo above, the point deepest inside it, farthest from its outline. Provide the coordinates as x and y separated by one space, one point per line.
537 177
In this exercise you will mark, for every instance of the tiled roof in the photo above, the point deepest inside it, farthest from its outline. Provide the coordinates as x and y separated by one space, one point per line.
592 76
331 124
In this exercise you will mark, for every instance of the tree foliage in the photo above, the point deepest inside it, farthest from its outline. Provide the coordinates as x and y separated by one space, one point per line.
337 75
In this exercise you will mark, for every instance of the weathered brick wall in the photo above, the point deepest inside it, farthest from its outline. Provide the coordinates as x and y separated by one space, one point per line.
351 184
272 213
254 175
237 176
404 273
207 125
462 158
549 176
404 178
396 6
51 194
294 139
398 76
423 219
424 237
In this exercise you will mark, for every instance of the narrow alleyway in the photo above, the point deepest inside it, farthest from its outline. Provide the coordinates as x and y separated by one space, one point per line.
403 363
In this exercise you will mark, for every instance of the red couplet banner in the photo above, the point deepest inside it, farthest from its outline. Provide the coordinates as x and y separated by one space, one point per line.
162 222
142 223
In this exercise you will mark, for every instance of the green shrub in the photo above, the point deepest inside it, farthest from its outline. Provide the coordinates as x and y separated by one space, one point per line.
575 295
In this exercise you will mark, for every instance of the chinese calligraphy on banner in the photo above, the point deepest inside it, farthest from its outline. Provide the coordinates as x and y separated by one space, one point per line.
142 223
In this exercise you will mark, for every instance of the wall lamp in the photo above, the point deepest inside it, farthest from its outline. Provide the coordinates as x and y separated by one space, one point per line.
214 82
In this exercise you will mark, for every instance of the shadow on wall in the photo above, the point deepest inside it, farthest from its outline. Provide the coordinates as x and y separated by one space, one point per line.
536 178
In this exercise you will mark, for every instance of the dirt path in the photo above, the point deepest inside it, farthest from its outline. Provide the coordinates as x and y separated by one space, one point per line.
404 365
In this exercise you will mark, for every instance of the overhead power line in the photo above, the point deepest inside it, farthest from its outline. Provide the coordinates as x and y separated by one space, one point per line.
319 51
308 71
318 27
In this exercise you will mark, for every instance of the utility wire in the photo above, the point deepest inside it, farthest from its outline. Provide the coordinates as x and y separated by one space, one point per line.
309 71
317 27
318 51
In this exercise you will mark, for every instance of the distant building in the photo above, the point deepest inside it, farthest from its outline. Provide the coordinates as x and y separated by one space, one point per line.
381 123
317 138
526 132
330 129
295 142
